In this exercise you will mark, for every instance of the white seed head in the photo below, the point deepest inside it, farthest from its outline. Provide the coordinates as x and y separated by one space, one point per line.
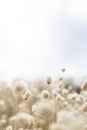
70 88
60 124
79 99
60 121
54 93
60 78
63 70
45 94
9 127
64 92
31 122
18 89
3 121
84 85
19 86
64 104
60 85
69 97
49 80
74 96
26 95
53 126
59 98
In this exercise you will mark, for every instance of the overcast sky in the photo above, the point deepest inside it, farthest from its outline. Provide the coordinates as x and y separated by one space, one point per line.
38 37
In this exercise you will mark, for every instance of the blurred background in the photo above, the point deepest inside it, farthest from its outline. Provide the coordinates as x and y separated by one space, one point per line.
38 37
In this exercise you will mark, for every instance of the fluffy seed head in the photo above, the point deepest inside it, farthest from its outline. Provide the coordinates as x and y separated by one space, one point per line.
60 78
64 104
60 121
26 95
59 98
63 70
60 85
84 85
49 80
3 121
70 88
54 93
31 122
64 92
19 86
45 94
9 127
69 97
74 96
53 126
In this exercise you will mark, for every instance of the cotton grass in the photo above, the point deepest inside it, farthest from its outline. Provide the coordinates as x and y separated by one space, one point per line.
43 105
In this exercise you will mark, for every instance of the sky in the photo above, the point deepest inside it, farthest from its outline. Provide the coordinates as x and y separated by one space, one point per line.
38 37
